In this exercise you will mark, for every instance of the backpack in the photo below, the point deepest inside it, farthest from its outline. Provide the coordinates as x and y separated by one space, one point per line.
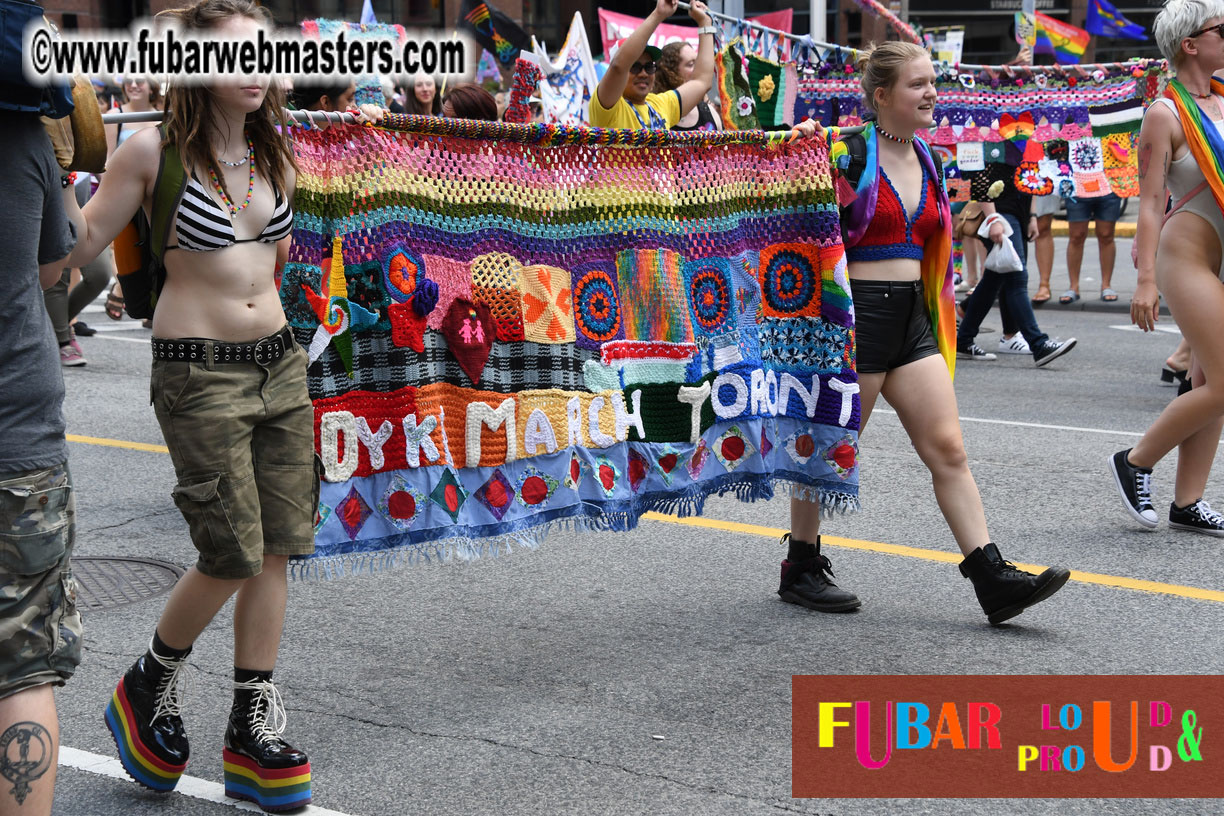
17 94
140 248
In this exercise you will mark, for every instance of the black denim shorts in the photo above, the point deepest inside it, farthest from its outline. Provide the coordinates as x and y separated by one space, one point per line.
891 325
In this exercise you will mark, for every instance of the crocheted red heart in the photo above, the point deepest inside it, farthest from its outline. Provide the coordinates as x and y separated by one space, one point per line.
468 329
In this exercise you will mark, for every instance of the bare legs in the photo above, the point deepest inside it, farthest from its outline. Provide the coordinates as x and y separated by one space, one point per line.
1195 295
1043 249
259 612
921 393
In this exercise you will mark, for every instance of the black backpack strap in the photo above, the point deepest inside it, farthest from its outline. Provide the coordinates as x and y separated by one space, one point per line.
856 146
167 193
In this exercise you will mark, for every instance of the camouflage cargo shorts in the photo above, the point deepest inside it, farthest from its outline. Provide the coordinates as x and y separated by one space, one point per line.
40 626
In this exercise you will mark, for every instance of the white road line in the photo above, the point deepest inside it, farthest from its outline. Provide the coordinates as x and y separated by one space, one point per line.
1133 328
191 786
1039 425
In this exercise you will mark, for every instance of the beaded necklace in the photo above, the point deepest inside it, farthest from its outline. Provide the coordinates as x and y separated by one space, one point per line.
891 137
216 182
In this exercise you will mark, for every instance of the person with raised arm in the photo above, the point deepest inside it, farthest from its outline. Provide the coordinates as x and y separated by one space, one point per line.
624 99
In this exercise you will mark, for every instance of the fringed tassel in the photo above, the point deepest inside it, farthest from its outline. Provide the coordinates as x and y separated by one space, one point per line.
621 517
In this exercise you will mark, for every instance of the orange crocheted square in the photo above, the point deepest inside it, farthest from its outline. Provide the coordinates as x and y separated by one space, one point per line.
495 282
548 306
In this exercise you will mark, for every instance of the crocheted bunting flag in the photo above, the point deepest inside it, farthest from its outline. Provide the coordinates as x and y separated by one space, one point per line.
468 329
564 330
765 82
547 305
735 98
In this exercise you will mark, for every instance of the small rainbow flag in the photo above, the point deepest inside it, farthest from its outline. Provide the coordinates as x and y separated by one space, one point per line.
1066 42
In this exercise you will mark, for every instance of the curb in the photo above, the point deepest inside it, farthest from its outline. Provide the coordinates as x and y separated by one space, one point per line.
1122 229
1086 304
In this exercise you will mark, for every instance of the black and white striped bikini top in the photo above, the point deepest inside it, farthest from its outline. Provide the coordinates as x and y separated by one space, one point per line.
203 226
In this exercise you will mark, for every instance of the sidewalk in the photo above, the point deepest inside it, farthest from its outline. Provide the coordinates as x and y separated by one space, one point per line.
1124 274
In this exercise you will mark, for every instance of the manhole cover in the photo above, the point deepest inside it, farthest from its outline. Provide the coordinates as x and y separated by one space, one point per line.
106 583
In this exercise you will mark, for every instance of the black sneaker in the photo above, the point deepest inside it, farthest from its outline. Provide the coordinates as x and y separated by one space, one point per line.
972 351
1135 487
806 583
83 329
1051 350
1198 517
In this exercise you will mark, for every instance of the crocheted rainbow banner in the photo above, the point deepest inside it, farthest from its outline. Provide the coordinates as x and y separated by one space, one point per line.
516 327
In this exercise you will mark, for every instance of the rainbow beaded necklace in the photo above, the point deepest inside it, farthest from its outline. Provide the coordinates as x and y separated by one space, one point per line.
216 182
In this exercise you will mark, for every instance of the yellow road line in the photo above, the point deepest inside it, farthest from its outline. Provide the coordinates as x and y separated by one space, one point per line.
847 543
1116 581
117 443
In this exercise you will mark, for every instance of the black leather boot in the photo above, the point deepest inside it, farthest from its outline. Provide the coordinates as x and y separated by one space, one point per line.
260 766
144 719
806 580
1005 591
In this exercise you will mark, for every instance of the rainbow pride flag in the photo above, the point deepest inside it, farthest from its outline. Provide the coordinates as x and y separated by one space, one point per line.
1066 42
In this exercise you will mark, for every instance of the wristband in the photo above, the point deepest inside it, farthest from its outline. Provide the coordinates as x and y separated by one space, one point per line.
68 180
707 29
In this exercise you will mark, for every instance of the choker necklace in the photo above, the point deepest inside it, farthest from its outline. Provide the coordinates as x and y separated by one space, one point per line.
234 210
238 163
891 137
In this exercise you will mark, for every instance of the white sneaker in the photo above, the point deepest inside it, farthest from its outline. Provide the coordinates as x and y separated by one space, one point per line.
1016 344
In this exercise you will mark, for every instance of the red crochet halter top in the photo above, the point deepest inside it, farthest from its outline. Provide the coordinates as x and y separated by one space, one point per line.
892 233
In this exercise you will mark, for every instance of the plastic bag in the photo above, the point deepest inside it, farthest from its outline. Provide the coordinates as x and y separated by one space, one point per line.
1003 257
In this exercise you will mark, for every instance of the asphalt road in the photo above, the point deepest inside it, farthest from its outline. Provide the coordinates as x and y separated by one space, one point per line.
538 682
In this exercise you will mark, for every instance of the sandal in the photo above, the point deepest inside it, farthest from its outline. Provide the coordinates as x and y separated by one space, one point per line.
1109 295
1038 299
1069 296
114 304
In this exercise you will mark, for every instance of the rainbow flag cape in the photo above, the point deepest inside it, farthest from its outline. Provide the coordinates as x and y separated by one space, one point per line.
1066 42
519 328
1204 140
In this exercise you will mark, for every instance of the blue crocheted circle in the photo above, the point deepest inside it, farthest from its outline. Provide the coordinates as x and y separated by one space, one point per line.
596 308
790 282
710 295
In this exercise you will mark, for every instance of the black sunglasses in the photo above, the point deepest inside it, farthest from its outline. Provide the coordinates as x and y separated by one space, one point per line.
1218 29
639 67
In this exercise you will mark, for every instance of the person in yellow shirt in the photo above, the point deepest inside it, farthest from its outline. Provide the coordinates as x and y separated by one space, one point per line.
623 98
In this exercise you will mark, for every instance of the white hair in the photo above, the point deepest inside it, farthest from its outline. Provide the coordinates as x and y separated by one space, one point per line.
1178 20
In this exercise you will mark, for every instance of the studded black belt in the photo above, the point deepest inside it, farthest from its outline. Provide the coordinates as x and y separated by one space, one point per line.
263 351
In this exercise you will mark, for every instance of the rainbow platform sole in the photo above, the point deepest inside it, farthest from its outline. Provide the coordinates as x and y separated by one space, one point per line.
137 759
273 789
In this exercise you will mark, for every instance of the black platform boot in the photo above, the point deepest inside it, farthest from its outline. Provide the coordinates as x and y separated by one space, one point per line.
260 766
1005 591
806 579
144 719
